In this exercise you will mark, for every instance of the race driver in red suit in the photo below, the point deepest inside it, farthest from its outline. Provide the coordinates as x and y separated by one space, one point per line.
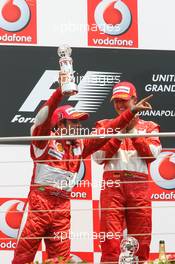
126 160
56 164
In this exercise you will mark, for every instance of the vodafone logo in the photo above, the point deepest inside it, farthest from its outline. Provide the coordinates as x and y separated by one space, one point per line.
14 15
18 21
10 220
163 170
113 17
113 23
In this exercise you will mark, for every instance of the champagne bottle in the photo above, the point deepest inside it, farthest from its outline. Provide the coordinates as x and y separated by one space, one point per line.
162 253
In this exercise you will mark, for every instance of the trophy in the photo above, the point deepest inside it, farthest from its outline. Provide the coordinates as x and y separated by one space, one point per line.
129 247
67 86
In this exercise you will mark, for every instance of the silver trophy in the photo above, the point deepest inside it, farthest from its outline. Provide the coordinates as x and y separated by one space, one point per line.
67 86
129 246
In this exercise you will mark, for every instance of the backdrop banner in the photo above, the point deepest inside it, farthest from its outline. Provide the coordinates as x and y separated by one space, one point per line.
28 74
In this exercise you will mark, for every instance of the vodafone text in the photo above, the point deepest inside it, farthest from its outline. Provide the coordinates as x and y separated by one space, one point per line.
163 196
82 195
114 42
7 245
15 38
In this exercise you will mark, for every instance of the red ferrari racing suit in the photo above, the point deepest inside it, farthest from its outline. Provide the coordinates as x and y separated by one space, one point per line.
56 164
127 161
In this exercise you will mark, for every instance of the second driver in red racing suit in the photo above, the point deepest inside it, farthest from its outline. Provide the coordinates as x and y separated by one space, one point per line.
126 161
56 164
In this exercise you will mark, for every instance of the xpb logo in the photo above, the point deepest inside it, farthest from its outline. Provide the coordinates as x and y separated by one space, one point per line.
18 16
112 23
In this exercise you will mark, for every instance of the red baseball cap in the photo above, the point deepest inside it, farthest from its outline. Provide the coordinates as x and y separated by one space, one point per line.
67 112
124 90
